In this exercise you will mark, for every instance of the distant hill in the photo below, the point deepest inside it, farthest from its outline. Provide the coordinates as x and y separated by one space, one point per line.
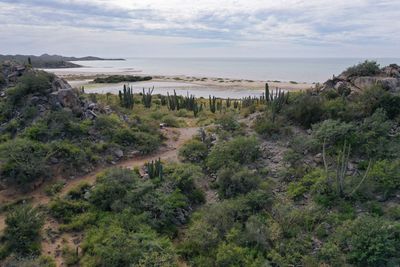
50 61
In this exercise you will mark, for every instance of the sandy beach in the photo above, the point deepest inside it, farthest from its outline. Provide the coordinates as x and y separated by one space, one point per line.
215 84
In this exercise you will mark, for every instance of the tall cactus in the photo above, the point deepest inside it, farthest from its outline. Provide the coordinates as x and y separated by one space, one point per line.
126 97
213 102
147 97
276 100
155 169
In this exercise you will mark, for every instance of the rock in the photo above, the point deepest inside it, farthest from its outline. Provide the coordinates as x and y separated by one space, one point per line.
34 100
89 114
118 153
318 158
66 98
60 84
387 83
41 108
92 106
350 166
54 160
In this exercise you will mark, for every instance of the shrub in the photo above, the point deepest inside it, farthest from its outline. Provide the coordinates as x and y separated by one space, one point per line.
228 122
194 151
54 188
367 68
29 261
111 187
113 246
266 127
22 233
386 176
333 132
30 83
65 210
24 161
240 150
373 137
233 182
369 241
306 110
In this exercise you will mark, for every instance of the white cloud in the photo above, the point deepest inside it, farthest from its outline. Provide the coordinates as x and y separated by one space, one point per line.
237 23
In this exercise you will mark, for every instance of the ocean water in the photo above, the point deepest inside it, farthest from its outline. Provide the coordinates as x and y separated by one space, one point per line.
282 69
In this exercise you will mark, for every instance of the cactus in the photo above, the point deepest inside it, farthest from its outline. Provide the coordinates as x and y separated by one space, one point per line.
126 97
276 100
173 101
146 97
154 169
212 101
266 96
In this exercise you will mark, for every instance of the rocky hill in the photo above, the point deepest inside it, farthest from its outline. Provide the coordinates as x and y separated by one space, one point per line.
49 61
366 75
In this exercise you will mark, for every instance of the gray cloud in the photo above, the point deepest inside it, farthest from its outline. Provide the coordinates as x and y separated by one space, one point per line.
293 25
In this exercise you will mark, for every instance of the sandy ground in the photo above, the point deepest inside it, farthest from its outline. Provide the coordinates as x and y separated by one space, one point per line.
83 78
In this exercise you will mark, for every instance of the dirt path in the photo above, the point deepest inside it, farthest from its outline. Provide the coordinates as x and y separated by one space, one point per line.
53 240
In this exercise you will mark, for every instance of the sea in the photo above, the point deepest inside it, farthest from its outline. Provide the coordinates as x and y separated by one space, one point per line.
265 69
294 70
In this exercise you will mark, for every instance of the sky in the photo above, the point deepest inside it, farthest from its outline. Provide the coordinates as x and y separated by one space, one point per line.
201 28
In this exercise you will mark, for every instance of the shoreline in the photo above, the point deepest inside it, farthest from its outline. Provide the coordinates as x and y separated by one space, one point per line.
82 78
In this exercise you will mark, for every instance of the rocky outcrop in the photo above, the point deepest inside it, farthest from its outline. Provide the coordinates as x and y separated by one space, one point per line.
388 78
66 98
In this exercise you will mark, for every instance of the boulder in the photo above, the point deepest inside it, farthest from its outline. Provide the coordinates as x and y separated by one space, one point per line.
60 84
118 153
66 98
388 83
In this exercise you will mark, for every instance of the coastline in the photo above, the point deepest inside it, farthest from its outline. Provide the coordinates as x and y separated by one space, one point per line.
83 78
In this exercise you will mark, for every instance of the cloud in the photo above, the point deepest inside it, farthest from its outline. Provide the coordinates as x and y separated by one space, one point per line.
295 23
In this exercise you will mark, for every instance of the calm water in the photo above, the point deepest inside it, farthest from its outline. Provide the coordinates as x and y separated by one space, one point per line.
283 69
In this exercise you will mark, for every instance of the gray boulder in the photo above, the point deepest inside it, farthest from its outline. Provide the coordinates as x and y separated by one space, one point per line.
66 98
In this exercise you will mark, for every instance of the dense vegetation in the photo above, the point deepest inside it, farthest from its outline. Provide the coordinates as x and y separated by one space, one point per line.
305 179
122 78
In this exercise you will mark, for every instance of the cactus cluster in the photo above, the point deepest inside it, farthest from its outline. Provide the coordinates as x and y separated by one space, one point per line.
126 97
176 102
154 169
276 100
213 102
146 97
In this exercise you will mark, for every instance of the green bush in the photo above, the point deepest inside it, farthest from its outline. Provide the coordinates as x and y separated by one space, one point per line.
111 187
22 232
65 210
238 150
386 177
266 127
233 182
306 109
228 122
30 83
24 161
367 68
54 188
29 261
194 151
373 138
369 241
333 132
114 246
